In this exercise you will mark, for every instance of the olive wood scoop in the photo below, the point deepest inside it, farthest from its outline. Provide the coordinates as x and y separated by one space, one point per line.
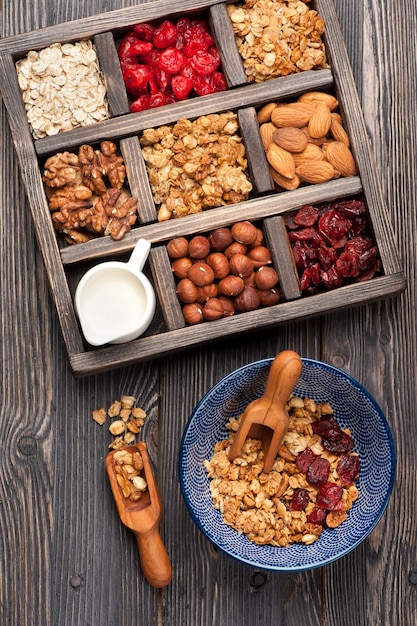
142 517
266 417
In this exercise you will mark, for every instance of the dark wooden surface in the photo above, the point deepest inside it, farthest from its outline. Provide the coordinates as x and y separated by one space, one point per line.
65 558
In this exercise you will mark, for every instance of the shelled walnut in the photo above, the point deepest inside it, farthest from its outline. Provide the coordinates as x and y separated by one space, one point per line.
196 165
226 272
305 141
86 193
277 38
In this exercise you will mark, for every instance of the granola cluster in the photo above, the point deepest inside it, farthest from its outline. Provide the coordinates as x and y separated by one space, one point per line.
86 193
283 506
62 88
126 421
196 165
277 38
128 467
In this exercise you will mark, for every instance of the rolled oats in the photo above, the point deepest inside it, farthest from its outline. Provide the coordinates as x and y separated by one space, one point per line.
261 505
62 88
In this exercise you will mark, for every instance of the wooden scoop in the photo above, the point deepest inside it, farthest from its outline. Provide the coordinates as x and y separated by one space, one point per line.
266 418
142 517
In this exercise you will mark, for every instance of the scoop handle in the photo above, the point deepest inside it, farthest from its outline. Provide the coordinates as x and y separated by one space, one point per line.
154 559
282 377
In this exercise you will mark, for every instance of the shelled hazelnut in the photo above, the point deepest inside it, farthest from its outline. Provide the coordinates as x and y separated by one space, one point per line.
226 272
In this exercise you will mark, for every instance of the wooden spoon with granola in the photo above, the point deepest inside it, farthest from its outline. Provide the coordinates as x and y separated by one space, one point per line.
266 418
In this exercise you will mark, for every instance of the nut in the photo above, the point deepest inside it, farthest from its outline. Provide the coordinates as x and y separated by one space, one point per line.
241 265
219 263
260 256
201 274
319 172
264 113
320 121
340 156
213 309
338 132
310 153
181 266
228 306
220 238
266 131
285 183
193 313
247 300
198 247
177 247
319 96
266 277
281 160
118 427
187 291
269 297
290 139
295 114
244 232
235 248
230 286
206 292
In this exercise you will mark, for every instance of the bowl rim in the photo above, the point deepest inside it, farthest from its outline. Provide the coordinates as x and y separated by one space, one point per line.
383 505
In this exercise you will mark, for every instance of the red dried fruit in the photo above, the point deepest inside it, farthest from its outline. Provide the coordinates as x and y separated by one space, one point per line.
317 516
334 228
304 459
198 42
145 31
348 469
172 60
299 500
339 445
141 103
318 472
157 100
205 62
136 78
181 86
165 35
306 216
329 496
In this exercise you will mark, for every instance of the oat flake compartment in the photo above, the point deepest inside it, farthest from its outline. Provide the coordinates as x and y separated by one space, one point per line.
65 264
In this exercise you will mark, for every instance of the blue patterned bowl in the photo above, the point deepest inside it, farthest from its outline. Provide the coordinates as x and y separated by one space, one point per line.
353 407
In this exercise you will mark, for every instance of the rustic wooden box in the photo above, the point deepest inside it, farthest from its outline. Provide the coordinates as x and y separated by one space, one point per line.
168 332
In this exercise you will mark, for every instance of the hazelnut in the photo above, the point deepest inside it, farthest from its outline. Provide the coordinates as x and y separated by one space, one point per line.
247 300
177 247
187 291
201 274
250 280
193 313
220 238
206 292
213 309
260 256
181 266
259 239
235 248
269 297
198 247
230 286
241 265
219 263
228 306
266 277
244 232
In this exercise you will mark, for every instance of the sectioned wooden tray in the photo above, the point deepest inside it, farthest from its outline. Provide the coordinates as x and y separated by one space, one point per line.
168 332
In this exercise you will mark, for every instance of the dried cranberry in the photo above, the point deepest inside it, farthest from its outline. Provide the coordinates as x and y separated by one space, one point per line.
329 496
318 472
181 86
183 24
299 500
334 228
358 244
141 103
205 62
331 279
136 78
350 208
218 81
324 426
172 60
145 31
339 444
367 260
157 100
165 35
306 216
317 516
327 256
347 265
306 234
289 220
199 42
304 459
348 469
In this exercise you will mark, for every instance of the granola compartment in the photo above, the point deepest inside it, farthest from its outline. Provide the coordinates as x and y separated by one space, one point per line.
266 204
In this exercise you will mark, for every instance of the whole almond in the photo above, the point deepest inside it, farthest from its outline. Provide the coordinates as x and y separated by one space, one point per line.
286 183
281 160
320 96
320 121
266 131
338 132
311 153
341 158
315 172
290 138
295 114
264 113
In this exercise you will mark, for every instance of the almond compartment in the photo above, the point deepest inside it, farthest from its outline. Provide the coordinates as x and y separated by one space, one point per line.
266 205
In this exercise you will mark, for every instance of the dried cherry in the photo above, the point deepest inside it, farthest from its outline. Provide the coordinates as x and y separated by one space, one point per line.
317 516
348 469
300 499
304 459
318 472
165 35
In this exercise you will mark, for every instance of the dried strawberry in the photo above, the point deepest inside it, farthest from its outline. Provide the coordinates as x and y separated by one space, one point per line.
300 499
348 469
304 459
329 496
165 35
318 472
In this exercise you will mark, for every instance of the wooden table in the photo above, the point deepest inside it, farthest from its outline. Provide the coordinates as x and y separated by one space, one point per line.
65 558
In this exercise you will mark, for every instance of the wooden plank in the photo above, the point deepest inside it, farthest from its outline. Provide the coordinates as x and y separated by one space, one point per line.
277 241
257 163
112 73
138 179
